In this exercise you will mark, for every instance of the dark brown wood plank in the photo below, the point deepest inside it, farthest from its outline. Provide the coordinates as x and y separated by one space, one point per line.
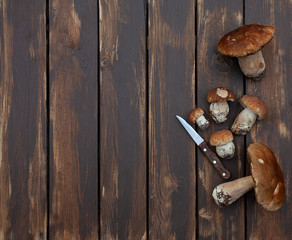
123 213
172 163
274 131
23 205
214 20
73 120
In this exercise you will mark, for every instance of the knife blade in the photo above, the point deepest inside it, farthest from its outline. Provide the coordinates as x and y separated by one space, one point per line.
211 156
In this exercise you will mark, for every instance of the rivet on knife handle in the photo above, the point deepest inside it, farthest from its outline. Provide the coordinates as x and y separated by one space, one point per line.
214 160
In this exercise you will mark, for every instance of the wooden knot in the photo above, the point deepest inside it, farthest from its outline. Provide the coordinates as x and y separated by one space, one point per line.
223 63
105 64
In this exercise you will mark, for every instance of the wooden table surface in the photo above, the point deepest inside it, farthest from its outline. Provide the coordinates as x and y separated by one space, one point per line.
89 144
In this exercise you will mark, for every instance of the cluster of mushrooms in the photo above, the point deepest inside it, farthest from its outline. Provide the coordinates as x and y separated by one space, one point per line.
266 178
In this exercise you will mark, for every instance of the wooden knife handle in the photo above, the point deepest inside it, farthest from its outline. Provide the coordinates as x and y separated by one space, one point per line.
214 160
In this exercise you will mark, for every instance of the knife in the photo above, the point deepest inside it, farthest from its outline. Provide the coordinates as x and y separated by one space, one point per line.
211 156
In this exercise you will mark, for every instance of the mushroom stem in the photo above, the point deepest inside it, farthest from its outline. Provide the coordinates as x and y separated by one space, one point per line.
227 193
202 122
244 122
253 65
226 151
219 111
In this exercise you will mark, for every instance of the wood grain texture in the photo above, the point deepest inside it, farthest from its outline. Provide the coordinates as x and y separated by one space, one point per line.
23 211
123 212
73 120
172 172
274 131
214 70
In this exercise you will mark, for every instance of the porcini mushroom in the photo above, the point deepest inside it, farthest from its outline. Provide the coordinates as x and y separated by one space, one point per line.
254 108
245 43
266 179
218 98
197 116
223 141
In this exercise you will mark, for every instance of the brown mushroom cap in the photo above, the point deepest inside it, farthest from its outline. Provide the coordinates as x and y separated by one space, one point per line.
220 94
255 104
245 40
194 114
267 176
221 137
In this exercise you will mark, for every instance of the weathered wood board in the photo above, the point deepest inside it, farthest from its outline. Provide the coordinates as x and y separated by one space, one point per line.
123 119
90 147
274 131
73 126
23 205
214 70
172 163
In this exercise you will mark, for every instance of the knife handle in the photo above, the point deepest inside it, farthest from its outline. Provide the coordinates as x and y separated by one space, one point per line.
214 160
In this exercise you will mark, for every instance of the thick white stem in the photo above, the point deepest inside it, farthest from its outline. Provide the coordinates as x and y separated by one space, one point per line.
227 193
244 122
226 151
219 111
252 65
202 122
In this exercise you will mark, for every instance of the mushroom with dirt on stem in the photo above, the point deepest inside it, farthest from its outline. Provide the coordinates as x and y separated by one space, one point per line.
218 98
245 43
197 116
266 179
223 141
254 108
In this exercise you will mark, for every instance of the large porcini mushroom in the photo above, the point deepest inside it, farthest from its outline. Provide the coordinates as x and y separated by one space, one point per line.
266 179
218 98
245 43
197 116
223 141
254 108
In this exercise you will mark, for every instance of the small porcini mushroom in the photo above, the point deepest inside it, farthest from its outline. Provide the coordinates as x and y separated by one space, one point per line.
223 141
254 108
266 179
218 98
197 115
245 43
